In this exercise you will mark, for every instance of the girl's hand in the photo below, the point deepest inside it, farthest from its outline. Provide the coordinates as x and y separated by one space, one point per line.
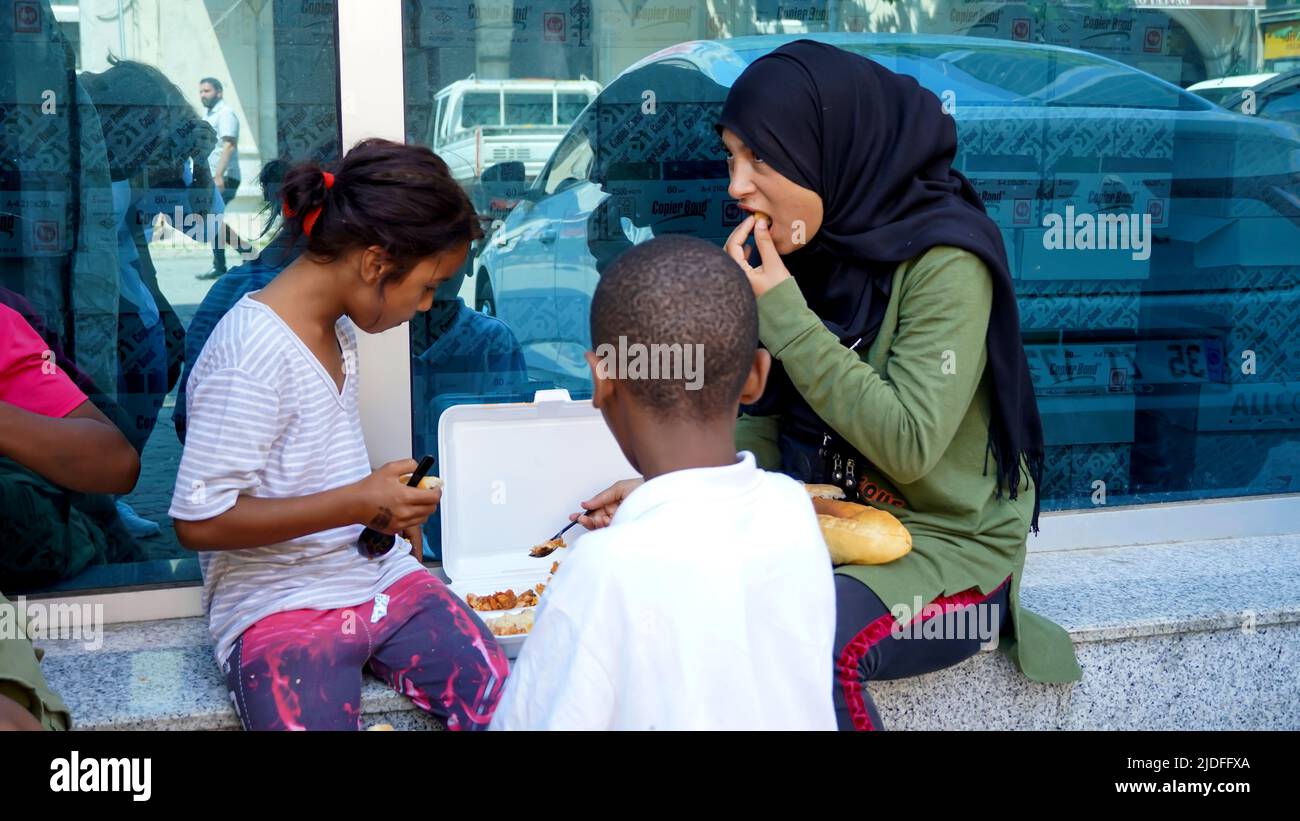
771 271
601 507
385 504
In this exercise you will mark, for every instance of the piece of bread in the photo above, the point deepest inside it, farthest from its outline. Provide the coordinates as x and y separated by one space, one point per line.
825 491
427 483
837 507
858 534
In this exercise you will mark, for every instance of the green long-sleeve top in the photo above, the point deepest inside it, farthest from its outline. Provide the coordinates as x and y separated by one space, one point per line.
916 404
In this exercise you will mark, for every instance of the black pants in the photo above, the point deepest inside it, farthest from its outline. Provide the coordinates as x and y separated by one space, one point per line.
219 241
871 645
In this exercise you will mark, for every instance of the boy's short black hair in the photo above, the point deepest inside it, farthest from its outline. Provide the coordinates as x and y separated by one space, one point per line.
678 291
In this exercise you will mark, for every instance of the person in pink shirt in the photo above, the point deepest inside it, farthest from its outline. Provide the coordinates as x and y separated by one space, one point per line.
50 435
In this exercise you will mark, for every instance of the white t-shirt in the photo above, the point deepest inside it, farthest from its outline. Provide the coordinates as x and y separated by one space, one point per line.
266 419
708 603
223 120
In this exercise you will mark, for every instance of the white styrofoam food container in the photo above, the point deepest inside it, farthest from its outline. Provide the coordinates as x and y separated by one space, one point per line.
514 472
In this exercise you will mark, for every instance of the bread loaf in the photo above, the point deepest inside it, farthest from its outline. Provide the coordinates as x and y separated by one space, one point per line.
858 534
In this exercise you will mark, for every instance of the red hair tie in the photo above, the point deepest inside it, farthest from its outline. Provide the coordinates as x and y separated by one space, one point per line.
309 221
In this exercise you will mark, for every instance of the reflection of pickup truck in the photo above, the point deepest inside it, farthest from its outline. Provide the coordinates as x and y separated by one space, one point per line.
479 123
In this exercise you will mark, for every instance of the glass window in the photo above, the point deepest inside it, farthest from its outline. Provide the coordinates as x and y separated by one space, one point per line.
526 109
572 162
141 147
569 106
436 140
1002 76
1164 372
478 109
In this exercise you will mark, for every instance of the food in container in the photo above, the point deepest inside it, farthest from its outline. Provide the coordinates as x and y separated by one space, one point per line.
511 624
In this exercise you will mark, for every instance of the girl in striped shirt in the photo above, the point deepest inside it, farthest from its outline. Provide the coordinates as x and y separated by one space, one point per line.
275 484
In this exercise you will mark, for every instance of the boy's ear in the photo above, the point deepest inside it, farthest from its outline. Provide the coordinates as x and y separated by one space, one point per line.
757 379
602 386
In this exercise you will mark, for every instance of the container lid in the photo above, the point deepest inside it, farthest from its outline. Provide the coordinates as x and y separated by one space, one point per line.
514 473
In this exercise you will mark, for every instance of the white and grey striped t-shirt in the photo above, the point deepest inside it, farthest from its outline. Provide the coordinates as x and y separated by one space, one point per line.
266 419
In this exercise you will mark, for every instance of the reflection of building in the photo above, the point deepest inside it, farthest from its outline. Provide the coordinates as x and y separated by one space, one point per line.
68 17
265 50
562 39
275 59
1279 29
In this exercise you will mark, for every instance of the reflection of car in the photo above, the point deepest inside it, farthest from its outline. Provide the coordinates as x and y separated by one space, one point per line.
478 123
1217 91
1132 349
1276 99
538 271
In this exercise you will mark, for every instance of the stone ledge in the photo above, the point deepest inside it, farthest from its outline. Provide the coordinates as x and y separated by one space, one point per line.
1197 635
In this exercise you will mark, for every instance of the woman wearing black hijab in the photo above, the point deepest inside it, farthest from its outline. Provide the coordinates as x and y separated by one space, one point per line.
886 302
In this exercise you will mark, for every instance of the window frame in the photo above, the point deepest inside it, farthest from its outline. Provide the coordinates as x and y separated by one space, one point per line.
372 101
439 106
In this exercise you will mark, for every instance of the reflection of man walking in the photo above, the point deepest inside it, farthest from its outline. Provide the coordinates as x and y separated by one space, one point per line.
224 159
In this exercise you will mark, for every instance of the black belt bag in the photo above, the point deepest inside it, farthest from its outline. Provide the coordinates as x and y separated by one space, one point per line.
816 455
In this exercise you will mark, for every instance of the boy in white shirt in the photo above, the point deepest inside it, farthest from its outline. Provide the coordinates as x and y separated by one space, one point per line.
705 599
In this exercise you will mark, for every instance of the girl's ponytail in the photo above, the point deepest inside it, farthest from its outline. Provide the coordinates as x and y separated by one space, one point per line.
399 197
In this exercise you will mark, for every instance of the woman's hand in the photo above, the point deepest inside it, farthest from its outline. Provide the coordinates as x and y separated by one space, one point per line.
601 507
771 271
385 504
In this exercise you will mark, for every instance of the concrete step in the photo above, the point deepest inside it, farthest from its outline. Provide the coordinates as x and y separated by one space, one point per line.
1195 635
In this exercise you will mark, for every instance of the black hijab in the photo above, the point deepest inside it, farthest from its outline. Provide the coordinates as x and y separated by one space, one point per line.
877 148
